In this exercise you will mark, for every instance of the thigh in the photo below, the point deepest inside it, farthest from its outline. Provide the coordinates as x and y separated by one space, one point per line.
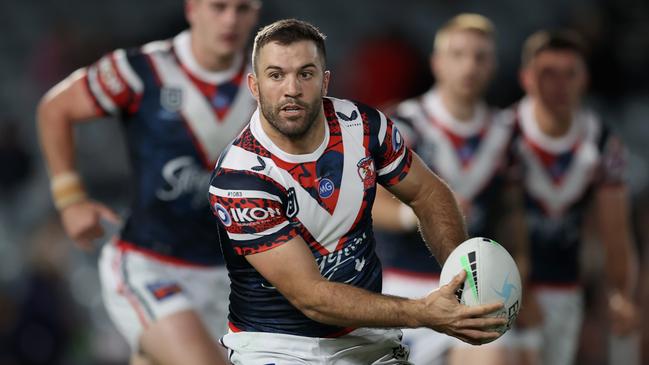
156 307
180 338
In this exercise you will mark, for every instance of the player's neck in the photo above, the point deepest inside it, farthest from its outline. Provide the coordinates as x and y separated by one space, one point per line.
551 124
305 144
209 60
460 108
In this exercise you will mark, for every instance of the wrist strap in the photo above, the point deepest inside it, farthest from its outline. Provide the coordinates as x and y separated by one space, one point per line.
67 190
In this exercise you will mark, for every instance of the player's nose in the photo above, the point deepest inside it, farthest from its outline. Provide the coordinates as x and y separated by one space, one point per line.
293 87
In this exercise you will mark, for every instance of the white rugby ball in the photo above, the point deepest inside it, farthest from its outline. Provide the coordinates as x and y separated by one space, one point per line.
492 276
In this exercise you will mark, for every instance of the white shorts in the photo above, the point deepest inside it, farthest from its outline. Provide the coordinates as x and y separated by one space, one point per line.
139 288
558 337
363 346
426 346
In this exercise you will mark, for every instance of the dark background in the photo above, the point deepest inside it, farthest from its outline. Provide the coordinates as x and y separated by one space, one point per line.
50 305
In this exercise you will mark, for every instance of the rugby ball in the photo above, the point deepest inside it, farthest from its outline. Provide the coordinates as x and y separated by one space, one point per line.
491 276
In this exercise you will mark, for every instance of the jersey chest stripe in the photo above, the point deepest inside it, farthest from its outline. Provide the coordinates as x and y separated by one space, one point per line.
471 181
210 135
556 197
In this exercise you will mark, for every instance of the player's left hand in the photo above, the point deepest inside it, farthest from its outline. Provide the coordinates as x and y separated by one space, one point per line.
623 314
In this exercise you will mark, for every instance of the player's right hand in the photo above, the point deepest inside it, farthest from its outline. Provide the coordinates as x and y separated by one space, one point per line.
82 221
469 324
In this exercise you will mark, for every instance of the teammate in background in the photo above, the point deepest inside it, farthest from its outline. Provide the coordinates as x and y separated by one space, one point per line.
467 143
181 102
569 163
295 192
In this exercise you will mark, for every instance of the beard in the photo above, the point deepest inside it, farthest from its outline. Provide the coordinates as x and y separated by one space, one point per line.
291 127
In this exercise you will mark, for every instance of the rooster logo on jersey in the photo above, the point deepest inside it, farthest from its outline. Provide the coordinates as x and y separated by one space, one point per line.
367 172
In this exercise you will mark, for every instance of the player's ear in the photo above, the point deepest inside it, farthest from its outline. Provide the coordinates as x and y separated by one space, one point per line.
253 85
325 82
525 78
189 11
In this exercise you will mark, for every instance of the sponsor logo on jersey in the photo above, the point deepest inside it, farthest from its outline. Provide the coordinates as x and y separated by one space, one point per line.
397 139
366 172
326 188
250 215
163 289
336 261
261 166
223 215
292 207
171 98
349 118
221 100
184 176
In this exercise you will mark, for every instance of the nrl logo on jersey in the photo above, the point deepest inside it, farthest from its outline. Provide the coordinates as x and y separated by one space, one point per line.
171 98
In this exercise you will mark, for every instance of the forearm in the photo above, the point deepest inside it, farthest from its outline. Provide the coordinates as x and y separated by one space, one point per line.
440 219
56 139
615 233
390 214
511 229
621 267
348 306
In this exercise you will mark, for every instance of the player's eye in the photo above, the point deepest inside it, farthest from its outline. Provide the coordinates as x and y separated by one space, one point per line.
243 8
306 75
275 76
218 7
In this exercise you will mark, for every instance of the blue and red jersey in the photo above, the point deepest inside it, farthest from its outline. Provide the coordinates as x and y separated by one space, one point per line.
472 156
559 176
178 117
265 197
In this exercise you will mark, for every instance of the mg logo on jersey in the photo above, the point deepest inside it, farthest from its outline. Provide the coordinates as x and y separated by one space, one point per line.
326 188
249 215
366 172
171 98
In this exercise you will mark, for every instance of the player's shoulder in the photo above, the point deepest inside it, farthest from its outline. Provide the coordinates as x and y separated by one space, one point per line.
409 108
504 117
348 110
595 130
156 47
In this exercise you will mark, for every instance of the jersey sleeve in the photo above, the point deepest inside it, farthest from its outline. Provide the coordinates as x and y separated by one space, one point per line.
253 210
113 84
392 156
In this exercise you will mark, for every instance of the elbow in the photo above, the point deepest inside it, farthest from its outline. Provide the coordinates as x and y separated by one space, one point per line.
309 303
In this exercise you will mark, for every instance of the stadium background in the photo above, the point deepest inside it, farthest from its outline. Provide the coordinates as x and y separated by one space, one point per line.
50 309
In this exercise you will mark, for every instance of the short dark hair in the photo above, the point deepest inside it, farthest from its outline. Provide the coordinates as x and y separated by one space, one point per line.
286 32
555 40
